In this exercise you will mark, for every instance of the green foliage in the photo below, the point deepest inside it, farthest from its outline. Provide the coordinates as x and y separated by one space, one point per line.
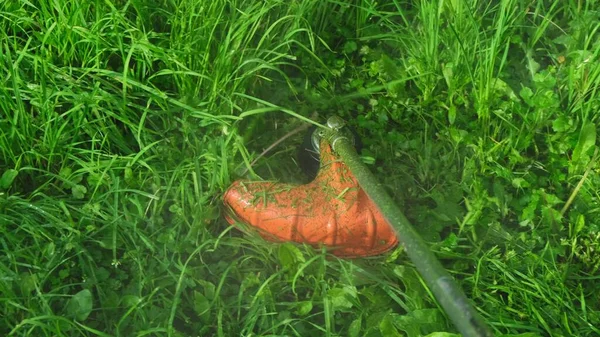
123 122
7 178
80 305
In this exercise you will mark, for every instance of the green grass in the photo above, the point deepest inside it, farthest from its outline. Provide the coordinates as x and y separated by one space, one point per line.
123 122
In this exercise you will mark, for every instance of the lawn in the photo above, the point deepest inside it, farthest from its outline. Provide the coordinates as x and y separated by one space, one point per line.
123 122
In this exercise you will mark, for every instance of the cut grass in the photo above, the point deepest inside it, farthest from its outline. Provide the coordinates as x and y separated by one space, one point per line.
126 120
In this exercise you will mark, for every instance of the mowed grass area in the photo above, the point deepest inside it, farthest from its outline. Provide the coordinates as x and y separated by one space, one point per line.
122 123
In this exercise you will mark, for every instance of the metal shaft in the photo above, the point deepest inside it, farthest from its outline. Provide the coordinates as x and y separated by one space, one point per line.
448 293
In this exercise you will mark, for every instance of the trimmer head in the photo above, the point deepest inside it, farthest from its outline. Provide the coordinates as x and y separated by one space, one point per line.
331 210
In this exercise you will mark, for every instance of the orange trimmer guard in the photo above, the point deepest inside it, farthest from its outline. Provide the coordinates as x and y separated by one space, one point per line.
332 210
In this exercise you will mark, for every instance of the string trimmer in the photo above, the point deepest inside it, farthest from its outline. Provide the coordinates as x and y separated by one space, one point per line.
348 211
